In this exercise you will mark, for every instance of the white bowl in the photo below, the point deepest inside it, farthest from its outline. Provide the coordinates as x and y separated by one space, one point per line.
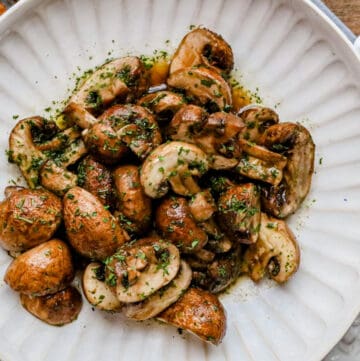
304 67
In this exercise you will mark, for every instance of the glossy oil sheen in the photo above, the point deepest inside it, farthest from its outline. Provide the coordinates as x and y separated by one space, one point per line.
300 63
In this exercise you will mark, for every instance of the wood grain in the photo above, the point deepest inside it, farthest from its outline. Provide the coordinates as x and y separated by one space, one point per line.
348 11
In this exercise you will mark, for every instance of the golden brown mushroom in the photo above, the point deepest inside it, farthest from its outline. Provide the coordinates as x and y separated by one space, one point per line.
56 309
134 206
42 270
199 312
28 218
91 229
202 46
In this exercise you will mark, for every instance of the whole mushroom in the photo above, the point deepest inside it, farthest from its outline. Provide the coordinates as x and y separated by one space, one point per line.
56 309
239 213
133 206
199 312
42 270
91 229
28 217
176 223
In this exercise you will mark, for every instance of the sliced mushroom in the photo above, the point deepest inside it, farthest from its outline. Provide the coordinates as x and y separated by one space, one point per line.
42 270
218 241
96 291
122 78
276 252
175 222
134 206
122 127
198 312
57 309
176 163
257 119
91 229
96 179
28 217
163 298
29 141
260 163
239 213
293 141
163 103
202 46
54 175
205 84
141 270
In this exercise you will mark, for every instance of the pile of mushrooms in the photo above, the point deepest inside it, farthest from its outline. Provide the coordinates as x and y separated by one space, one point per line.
162 199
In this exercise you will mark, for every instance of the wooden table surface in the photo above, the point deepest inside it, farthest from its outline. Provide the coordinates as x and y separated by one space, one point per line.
348 11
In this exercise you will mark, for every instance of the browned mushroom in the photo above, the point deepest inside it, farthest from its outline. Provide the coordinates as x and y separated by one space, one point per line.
276 252
202 46
42 270
205 84
91 229
122 78
56 309
28 218
163 103
54 174
134 206
96 179
260 163
293 141
257 119
176 223
199 312
122 127
239 212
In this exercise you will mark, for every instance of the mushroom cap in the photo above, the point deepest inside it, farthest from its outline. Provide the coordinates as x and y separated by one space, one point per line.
28 217
205 84
96 178
133 204
199 312
163 298
276 252
202 46
239 212
91 229
96 291
42 270
173 162
176 223
56 309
